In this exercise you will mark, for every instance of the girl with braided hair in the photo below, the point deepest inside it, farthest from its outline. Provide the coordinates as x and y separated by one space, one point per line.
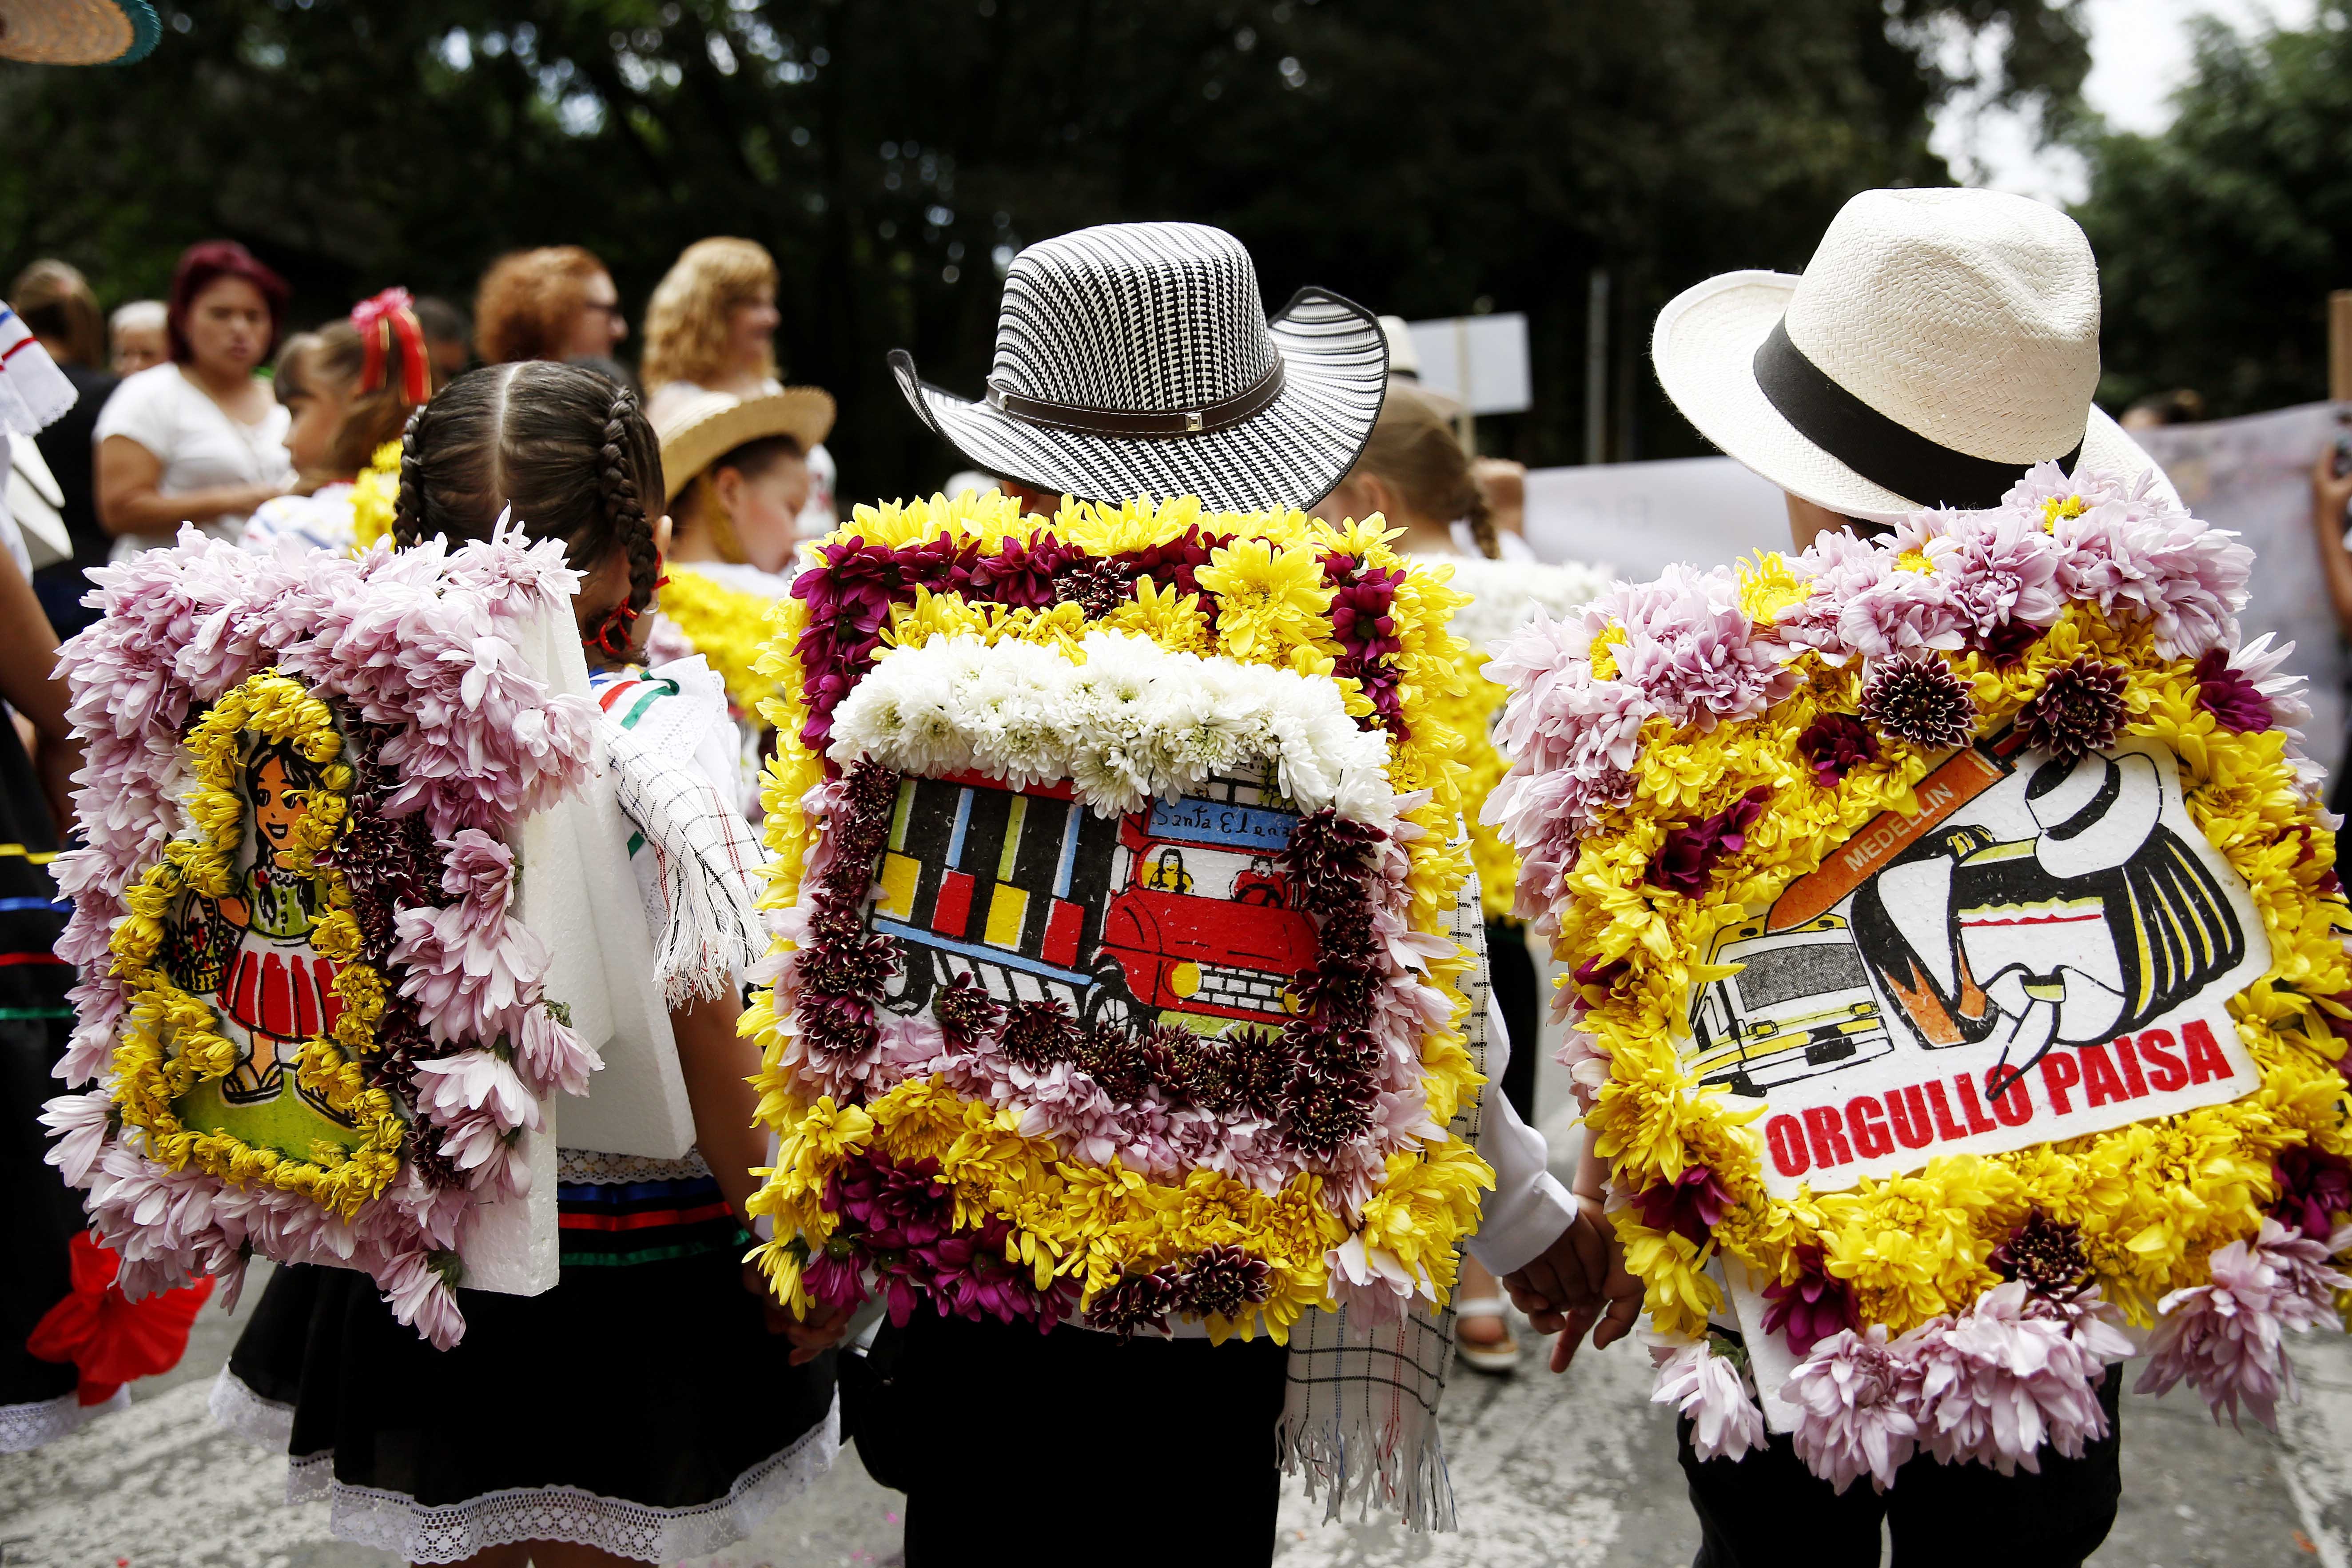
654 1404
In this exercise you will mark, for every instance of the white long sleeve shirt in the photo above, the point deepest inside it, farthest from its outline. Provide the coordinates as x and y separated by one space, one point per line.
1528 1208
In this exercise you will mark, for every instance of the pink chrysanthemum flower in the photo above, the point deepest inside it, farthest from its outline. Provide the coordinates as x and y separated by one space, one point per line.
1853 1398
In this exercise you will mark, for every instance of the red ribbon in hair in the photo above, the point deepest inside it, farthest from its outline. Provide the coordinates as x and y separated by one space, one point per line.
377 321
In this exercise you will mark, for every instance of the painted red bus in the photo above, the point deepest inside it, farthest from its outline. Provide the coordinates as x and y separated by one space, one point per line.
1178 912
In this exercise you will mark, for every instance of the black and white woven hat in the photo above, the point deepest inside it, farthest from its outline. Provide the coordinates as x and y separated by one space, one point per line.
1136 359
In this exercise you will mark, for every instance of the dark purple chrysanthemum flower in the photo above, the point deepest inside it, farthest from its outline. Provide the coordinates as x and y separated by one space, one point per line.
1322 1115
1138 1302
1594 971
1692 849
2007 642
966 1013
2080 709
1097 587
2046 1254
1258 1069
1689 1207
849 594
2314 1187
1119 1061
1328 859
2229 696
1921 701
1020 575
1223 1280
833 1277
1363 623
1810 1310
1171 566
889 1206
835 1026
1194 1071
858 965
1836 744
1038 1034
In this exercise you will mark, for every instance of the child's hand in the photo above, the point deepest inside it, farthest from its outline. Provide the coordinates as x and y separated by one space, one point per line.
812 1337
1610 1300
1561 1278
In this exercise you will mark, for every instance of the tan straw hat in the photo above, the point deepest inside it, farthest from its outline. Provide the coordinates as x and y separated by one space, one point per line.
709 426
1939 343
76 32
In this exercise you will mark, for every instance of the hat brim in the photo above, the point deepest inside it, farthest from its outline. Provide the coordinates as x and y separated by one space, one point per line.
1705 351
1289 454
803 413
78 32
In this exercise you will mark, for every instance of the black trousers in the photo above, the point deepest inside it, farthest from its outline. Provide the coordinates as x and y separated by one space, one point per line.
1511 972
1136 1452
1768 1509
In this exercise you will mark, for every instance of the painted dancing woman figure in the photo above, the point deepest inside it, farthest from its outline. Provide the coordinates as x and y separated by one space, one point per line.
273 986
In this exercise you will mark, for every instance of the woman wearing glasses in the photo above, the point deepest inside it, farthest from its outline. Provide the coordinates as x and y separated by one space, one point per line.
556 302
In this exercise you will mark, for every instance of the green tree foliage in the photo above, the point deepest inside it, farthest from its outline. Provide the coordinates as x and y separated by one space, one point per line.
2219 240
1421 159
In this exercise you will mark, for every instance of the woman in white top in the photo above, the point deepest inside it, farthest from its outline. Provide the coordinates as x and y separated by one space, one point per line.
711 327
200 439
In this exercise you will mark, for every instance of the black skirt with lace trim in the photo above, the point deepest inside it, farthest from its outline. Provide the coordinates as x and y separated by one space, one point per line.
642 1409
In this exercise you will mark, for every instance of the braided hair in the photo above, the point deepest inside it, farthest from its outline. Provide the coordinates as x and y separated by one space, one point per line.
566 448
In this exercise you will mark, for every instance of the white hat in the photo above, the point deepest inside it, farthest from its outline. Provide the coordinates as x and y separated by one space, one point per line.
1939 343
1137 359
1404 359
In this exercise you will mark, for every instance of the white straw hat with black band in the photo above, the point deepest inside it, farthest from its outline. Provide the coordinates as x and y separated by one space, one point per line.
1938 344
1137 359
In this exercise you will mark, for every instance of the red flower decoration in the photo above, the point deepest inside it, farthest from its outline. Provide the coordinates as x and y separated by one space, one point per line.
1812 1309
1836 744
109 1338
1692 848
1688 1207
2314 1187
2229 696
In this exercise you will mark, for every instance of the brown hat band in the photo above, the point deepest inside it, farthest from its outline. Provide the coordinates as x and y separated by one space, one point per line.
1218 416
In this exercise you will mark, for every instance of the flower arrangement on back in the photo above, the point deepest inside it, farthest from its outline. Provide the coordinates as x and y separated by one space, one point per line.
1957 946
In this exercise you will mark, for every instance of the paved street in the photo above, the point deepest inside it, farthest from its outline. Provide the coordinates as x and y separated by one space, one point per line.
1574 1471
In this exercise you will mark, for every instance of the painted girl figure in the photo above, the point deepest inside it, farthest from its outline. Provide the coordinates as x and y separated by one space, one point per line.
272 988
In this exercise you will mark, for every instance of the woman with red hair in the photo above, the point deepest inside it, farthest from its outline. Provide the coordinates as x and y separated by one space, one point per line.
556 302
200 439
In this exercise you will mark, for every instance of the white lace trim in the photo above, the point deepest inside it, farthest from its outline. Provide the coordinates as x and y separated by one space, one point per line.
238 1409
575 1167
24 1426
396 1522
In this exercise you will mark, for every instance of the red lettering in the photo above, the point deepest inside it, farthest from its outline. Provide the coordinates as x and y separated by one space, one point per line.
1966 1089
1828 1135
1910 1113
2205 1058
1946 1127
2011 1102
1786 1142
2164 1068
2100 1082
1869 1125
2128 1059
2060 1074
